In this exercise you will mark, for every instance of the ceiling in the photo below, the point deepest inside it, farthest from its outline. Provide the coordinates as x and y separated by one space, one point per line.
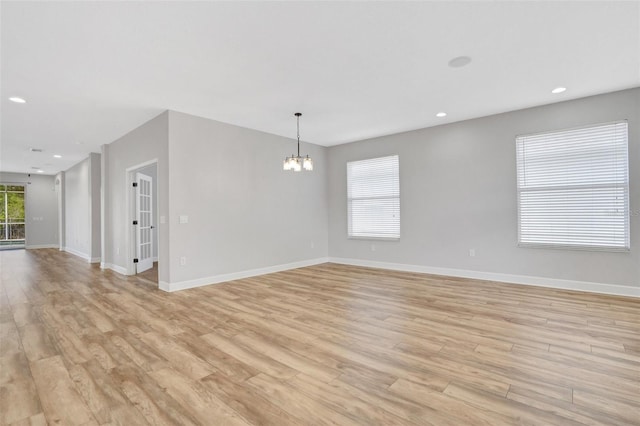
92 71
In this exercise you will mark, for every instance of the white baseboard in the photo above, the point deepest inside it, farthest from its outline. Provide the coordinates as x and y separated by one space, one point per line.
115 268
618 290
77 253
41 246
81 255
216 279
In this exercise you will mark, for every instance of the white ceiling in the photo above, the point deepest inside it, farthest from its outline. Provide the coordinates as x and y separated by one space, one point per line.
92 71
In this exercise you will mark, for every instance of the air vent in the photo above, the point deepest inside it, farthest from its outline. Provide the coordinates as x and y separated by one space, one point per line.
35 149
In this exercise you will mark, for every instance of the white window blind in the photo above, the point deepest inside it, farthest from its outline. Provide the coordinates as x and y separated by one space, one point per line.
573 188
373 188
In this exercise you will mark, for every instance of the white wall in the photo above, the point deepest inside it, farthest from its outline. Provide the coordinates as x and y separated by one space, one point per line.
82 208
77 213
41 208
145 143
94 195
59 182
458 191
245 213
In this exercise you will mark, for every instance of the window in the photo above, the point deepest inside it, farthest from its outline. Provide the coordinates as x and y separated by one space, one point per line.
373 191
573 188
11 215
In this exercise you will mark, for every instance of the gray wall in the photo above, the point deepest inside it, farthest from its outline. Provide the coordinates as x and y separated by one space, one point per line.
458 192
82 208
145 143
41 208
244 211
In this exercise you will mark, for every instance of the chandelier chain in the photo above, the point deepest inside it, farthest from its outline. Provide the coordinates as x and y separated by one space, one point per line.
298 125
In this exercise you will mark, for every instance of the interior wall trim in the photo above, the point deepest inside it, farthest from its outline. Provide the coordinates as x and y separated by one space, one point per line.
81 255
115 268
40 246
591 287
216 279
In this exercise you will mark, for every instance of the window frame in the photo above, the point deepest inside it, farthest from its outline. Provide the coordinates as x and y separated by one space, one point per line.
350 199
626 187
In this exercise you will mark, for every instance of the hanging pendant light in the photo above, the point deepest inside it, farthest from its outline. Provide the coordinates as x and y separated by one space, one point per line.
297 163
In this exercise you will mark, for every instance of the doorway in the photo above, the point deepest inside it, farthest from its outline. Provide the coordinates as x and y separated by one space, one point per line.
144 226
143 211
12 216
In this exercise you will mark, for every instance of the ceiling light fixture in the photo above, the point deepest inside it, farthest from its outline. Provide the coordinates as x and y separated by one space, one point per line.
297 163
559 90
40 171
17 100
57 156
441 114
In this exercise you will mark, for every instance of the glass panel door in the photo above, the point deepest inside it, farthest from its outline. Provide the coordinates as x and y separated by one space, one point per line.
12 217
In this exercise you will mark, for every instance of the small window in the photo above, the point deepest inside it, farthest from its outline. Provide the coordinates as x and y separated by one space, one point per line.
573 188
373 191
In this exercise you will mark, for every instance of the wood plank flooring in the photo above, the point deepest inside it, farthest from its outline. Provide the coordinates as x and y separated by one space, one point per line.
328 344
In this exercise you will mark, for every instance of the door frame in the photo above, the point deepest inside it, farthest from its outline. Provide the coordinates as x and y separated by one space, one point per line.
146 218
130 205
24 185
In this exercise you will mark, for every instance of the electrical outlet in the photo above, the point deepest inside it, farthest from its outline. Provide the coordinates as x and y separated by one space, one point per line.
472 252
373 247
183 261
313 244
118 250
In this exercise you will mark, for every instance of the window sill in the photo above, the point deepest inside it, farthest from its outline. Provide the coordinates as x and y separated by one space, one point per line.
574 247
374 238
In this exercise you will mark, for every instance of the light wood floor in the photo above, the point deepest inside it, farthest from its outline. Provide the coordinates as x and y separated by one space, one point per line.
328 344
150 274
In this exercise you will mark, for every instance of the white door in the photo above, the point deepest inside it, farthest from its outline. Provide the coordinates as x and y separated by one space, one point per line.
144 228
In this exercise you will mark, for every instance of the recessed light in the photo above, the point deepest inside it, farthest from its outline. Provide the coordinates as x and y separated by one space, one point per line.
459 62
17 100
441 114
559 90
57 156
40 171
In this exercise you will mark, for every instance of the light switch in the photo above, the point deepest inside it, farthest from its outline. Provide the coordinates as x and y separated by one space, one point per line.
184 219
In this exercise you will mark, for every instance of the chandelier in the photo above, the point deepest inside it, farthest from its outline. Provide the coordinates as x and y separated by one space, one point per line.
297 163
